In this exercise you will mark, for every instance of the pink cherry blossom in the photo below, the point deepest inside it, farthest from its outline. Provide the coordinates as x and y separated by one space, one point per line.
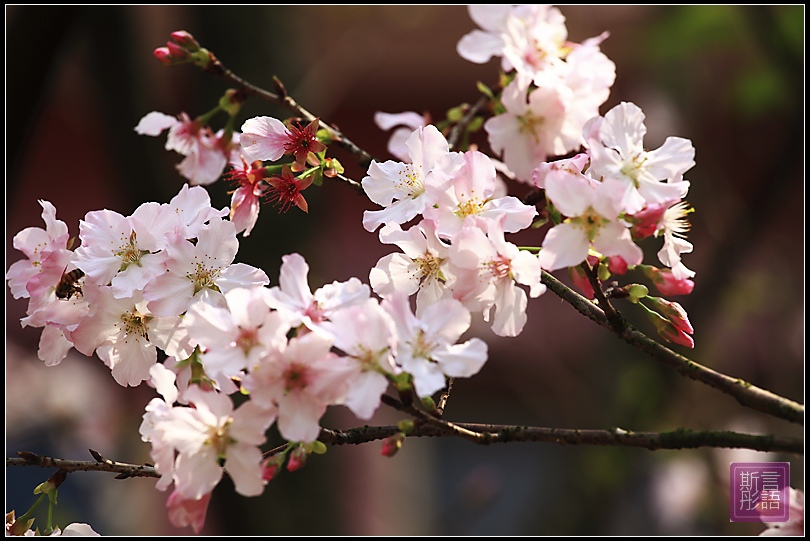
36 244
618 157
264 138
469 195
401 187
499 266
184 512
366 335
125 334
210 432
532 128
206 154
200 271
301 381
592 220
426 344
236 336
423 267
294 297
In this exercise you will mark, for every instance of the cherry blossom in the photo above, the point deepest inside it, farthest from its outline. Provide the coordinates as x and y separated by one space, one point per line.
426 344
36 244
366 335
401 187
531 131
206 154
125 334
499 266
468 195
592 220
118 250
301 381
200 271
210 432
423 267
246 198
294 297
615 144
236 336
264 138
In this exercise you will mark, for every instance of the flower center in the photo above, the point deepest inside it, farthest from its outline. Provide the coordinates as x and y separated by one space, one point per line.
411 181
295 378
500 267
591 221
129 252
135 323
204 278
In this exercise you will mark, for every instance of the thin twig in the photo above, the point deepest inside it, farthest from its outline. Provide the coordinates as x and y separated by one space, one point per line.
218 69
744 392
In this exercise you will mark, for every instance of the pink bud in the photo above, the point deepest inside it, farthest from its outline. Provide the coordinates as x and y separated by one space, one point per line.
617 264
186 40
272 466
297 459
581 281
673 312
646 221
178 53
666 282
392 444
669 331
163 54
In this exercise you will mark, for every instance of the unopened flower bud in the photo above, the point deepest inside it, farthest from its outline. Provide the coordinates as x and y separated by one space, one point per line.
163 54
186 40
581 281
52 483
617 264
637 292
668 331
272 466
672 311
647 221
666 282
392 444
298 457
178 54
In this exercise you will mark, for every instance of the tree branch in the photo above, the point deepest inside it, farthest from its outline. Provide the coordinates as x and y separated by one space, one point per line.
745 393
486 434
218 69
123 470
676 439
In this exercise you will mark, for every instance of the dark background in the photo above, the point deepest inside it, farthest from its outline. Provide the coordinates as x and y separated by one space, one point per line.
730 78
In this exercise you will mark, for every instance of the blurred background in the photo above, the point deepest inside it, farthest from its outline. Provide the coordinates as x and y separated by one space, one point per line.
730 78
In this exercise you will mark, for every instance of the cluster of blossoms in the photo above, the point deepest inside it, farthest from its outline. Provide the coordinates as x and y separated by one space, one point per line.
158 297
164 279
557 87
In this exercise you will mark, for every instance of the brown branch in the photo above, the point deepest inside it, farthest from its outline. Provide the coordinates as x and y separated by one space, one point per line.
218 69
745 393
486 434
468 117
676 439
123 470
